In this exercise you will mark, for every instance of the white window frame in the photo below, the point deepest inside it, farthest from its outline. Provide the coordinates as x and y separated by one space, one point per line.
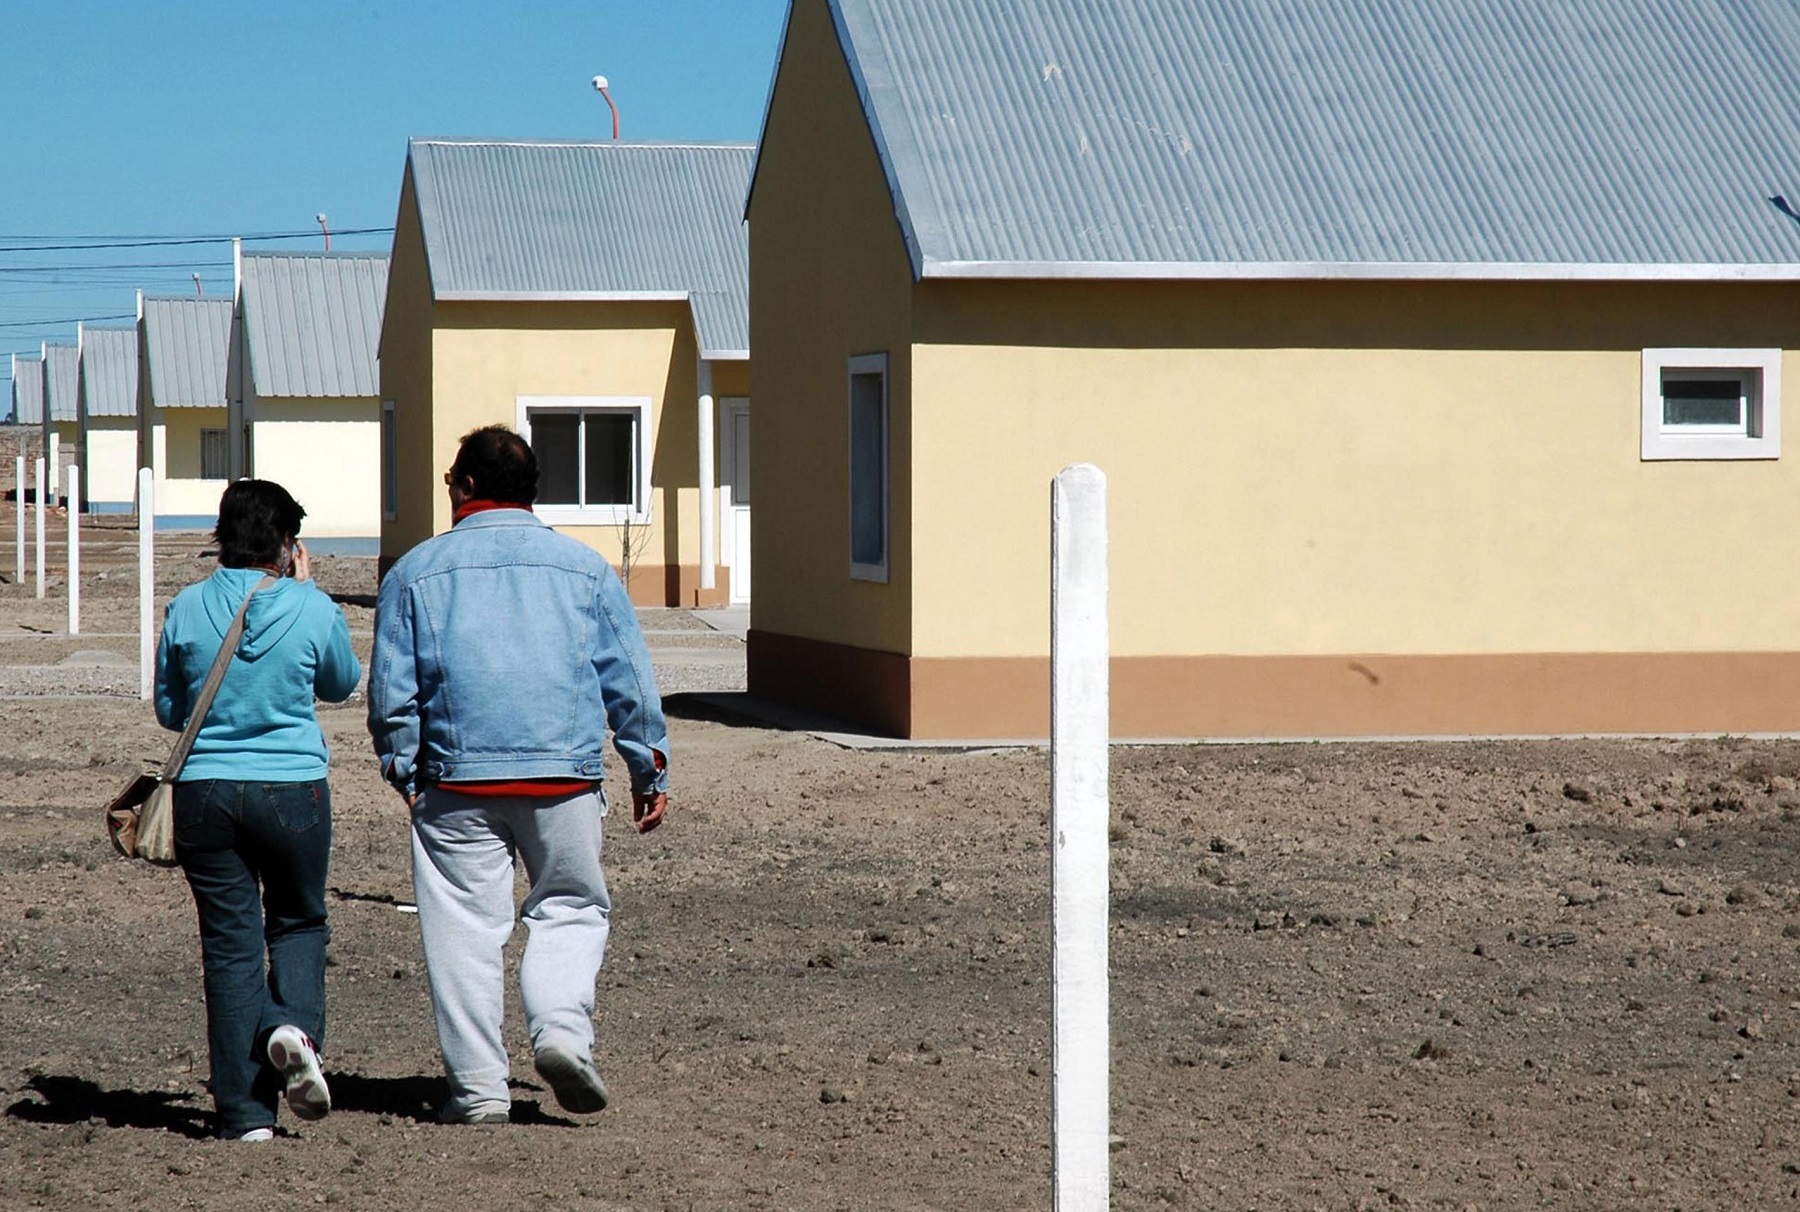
870 364
390 463
1758 438
638 513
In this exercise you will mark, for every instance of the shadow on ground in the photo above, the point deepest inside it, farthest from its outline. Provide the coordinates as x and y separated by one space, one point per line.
64 1099
418 1098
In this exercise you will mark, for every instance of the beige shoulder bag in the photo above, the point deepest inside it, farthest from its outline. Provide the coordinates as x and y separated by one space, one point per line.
141 819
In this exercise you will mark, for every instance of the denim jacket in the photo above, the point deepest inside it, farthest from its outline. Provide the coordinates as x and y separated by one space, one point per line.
502 651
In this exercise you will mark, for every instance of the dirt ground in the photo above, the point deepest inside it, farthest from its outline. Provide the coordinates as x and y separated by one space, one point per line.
1477 975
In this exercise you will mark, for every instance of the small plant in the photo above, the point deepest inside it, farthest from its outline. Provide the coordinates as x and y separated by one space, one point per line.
634 537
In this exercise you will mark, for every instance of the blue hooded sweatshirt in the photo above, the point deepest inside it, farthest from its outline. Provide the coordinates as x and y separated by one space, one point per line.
295 646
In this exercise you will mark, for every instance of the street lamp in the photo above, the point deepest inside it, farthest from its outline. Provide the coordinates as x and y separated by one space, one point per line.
600 87
320 218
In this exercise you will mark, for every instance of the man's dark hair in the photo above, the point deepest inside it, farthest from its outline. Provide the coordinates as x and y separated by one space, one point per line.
256 518
500 464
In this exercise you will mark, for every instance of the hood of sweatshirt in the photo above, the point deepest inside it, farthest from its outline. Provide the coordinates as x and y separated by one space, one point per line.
273 612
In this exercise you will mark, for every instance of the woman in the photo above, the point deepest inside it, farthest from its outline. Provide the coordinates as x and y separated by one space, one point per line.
252 807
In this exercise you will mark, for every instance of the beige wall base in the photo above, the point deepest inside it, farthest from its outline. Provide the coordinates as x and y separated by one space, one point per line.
1295 696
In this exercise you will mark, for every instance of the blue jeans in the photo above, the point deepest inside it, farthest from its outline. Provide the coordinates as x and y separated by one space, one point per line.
231 837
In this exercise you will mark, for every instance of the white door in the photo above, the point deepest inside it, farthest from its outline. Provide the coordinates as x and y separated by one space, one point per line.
735 493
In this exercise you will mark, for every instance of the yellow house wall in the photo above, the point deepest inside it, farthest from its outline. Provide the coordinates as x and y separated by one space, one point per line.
327 453
731 378
406 345
68 449
109 474
1342 468
829 280
486 356
175 439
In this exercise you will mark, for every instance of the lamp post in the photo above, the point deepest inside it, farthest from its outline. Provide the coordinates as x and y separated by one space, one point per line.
600 87
320 218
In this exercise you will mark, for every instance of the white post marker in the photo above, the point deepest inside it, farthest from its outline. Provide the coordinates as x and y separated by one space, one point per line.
19 519
146 504
1079 731
55 465
74 550
42 504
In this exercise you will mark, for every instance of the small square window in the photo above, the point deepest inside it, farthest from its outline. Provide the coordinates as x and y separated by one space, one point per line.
1711 404
593 458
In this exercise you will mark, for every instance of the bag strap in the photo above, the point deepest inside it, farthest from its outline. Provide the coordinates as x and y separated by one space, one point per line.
227 649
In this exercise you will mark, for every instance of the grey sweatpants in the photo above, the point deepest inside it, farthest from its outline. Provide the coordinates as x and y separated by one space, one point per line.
463 848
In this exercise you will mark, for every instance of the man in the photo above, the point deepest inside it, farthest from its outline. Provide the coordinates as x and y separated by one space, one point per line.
502 652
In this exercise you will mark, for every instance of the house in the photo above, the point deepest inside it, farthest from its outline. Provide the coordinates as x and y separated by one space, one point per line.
106 396
183 427
27 391
593 297
304 401
62 415
1434 355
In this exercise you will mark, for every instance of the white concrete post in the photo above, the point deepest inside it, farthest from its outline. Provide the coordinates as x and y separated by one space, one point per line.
55 464
74 550
709 490
1079 730
42 505
19 520
146 579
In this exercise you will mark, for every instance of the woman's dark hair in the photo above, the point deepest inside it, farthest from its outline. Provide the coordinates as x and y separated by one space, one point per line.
256 518
499 463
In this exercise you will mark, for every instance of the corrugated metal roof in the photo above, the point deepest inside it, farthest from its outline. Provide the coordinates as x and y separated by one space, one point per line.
314 322
1587 138
591 220
187 343
27 390
62 376
109 371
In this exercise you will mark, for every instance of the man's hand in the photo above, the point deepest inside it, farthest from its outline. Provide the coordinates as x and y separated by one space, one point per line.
647 808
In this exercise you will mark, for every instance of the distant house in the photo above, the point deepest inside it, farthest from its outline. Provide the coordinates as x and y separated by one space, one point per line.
107 408
593 297
62 413
27 391
1435 355
305 400
183 427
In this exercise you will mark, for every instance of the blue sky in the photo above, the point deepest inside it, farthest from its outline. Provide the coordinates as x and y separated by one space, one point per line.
124 118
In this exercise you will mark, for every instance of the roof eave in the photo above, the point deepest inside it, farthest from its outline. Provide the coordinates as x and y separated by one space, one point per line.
561 296
1377 271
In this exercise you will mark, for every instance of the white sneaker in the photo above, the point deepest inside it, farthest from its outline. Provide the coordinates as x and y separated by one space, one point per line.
294 1055
573 1079
256 1136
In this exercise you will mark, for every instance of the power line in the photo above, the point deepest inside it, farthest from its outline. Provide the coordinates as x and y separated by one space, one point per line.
168 241
20 269
130 315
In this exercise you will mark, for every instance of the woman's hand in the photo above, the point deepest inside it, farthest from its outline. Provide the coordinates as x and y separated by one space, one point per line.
302 570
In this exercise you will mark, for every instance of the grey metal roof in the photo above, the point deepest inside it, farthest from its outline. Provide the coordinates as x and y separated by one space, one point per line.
591 221
314 322
62 374
186 342
27 390
1377 138
109 371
